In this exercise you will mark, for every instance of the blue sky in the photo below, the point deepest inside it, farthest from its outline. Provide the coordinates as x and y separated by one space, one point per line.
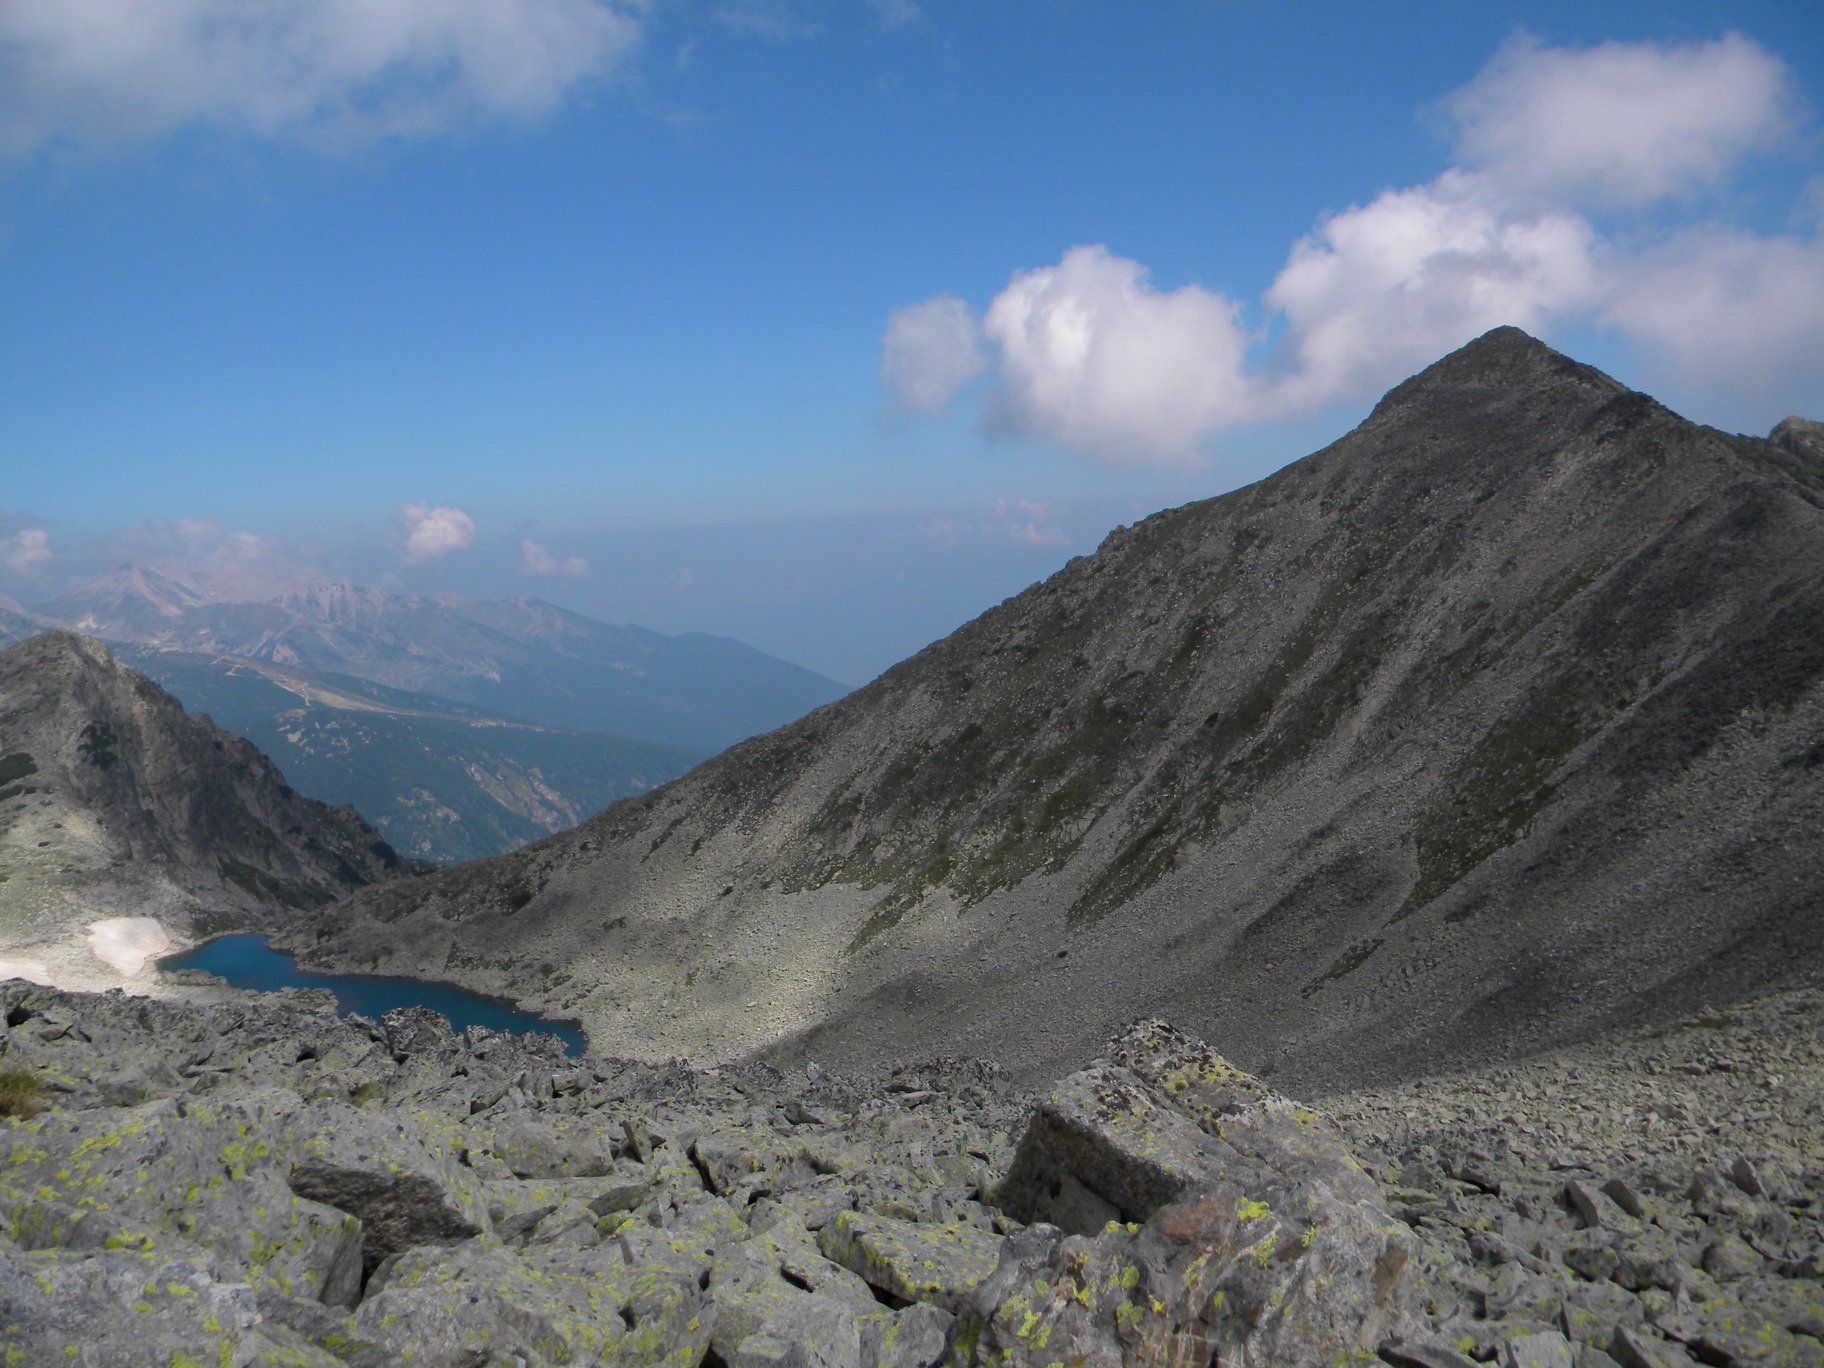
588 301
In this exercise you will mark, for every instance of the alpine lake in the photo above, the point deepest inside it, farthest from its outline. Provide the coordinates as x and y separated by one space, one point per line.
248 961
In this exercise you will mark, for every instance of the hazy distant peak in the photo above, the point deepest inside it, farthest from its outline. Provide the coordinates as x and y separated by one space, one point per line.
126 592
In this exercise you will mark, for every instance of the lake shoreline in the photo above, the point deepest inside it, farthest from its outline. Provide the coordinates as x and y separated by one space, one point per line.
248 961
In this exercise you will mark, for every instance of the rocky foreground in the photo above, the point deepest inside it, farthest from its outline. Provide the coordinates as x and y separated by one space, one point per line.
261 1182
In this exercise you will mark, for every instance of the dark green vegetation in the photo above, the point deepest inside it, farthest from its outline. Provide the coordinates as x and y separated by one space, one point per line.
441 781
19 1093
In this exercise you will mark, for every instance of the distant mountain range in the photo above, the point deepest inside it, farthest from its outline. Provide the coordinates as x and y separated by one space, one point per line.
1492 724
441 781
458 727
516 658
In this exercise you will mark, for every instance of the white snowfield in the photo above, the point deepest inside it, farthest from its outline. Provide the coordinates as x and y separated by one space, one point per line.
126 943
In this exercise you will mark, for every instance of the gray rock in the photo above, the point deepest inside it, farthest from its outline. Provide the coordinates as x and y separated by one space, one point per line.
1252 1232
1422 1354
400 1182
912 1261
1547 1349
1632 1349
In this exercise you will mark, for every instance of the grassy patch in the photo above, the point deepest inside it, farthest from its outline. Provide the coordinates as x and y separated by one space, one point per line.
16 767
19 1093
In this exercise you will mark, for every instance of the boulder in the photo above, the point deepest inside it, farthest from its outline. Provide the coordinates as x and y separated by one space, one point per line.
1245 1231
912 1261
404 1187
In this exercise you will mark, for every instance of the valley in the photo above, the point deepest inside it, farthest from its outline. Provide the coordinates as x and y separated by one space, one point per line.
1370 916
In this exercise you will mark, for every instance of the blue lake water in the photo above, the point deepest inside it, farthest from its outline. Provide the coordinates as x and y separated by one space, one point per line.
249 962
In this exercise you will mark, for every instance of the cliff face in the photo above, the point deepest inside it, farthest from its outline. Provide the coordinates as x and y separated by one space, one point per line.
1492 722
115 803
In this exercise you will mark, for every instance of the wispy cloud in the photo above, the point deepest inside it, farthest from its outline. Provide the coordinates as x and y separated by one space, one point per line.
538 560
1578 198
433 531
326 72
26 550
931 349
1029 522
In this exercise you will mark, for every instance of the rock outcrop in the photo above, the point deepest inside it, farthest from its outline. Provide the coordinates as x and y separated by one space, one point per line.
258 1181
126 825
1489 726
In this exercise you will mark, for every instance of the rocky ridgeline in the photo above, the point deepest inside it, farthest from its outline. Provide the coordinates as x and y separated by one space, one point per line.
260 1182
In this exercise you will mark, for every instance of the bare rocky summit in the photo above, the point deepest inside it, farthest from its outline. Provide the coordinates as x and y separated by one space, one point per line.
127 825
260 1182
1490 727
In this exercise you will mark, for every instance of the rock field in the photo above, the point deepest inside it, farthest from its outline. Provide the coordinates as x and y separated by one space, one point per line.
254 1181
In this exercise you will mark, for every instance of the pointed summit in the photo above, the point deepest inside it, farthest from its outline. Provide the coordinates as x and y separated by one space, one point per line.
1504 360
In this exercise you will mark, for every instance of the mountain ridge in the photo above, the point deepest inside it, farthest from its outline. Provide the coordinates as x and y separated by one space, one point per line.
118 808
1430 745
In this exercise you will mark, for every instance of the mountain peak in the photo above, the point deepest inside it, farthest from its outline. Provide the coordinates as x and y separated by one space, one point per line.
1506 359
1800 436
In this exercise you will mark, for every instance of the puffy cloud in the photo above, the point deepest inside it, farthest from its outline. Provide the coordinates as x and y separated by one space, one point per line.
1094 358
1397 282
1089 355
930 351
1621 123
436 531
328 71
26 550
540 561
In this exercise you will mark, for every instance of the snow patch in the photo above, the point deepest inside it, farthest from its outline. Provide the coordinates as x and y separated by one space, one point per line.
124 944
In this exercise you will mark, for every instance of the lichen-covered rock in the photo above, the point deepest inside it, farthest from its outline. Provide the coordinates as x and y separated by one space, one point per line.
716 1245
139 1309
1245 1231
399 1181
779 1285
209 1174
913 1261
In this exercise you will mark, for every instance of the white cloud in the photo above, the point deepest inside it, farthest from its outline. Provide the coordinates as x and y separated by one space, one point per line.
1030 522
1096 359
1089 355
540 561
100 72
1622 123
26 550
930 351
436 531
1721 306
1398 282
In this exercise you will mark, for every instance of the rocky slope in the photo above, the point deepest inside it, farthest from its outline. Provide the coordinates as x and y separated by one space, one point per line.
519 658
259 1182
125 824
1489 725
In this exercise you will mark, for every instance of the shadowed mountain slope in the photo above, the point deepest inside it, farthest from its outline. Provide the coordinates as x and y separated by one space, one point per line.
115 803
1491 724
